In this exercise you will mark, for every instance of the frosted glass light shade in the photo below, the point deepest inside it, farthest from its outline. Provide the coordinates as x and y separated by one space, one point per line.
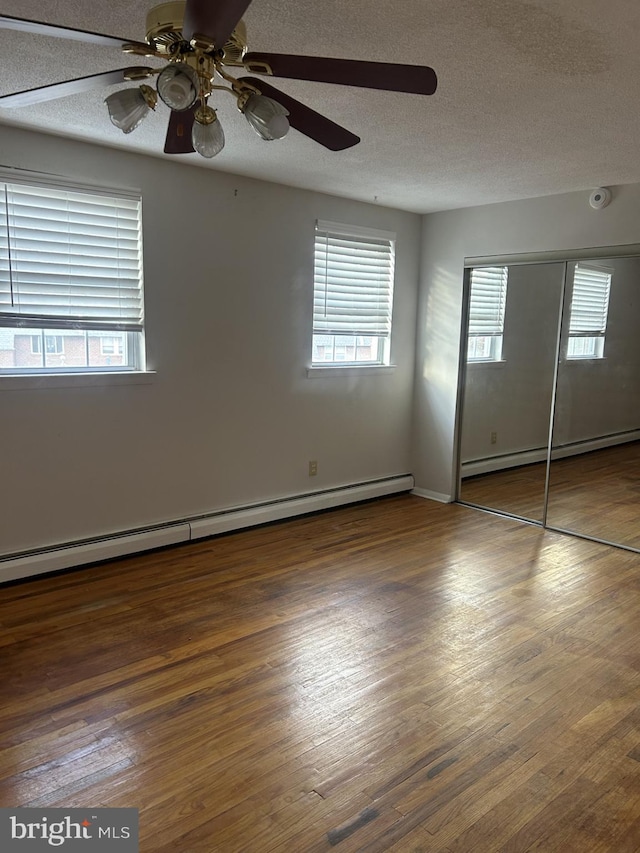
267 117
207 134
178 86
127 108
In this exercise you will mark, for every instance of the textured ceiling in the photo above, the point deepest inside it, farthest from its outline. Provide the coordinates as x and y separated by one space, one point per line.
534 98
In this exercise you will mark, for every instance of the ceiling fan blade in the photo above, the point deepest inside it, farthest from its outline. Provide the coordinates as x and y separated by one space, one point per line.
215 19
415 79
72 87
37 28
308 121
178 139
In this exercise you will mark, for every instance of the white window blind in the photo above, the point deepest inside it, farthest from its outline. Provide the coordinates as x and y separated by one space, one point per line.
589 301
488 300
69 259
353 281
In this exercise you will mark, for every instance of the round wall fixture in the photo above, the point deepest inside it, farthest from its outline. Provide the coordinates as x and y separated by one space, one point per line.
600 198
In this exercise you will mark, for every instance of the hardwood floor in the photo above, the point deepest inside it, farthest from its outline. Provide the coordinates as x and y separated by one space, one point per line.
518 491
595 494
598 493
396 676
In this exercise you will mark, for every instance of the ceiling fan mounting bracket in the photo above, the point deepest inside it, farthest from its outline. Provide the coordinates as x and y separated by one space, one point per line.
138 49
150 95
164 34
203 63
136 73
256 66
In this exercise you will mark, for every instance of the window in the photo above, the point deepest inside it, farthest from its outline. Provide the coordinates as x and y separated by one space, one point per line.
487 304
70 279
352 295
53 344
111 345
589 310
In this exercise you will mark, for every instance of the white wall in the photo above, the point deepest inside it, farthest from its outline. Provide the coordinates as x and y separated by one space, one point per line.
231 417
534 225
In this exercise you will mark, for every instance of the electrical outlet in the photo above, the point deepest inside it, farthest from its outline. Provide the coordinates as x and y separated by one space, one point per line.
313 468
494 437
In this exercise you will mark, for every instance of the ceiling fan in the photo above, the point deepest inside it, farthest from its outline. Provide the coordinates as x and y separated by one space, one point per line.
199 41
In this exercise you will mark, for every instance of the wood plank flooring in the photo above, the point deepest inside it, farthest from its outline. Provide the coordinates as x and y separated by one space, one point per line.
598 493
595 494
395 676
518 491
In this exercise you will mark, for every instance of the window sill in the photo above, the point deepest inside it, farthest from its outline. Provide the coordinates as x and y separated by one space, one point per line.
350 370
47 381
497 363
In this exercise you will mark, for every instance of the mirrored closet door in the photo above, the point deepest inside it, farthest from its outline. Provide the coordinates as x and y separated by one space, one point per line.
594 479
549 427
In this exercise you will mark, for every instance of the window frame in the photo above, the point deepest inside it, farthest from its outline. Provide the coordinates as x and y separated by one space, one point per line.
117 347
373 323
597 334
58 345
45 325
493 320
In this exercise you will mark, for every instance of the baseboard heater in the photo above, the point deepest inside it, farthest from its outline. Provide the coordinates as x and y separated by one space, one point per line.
130 542
539 454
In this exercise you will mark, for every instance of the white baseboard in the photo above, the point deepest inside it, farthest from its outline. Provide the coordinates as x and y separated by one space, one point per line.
432 496
500 463
184 530
236 519
527 457
54 559
603 441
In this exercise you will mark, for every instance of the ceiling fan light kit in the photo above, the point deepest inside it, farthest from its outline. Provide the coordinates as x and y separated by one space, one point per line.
178 86
267 117
200 40
129 107
207 134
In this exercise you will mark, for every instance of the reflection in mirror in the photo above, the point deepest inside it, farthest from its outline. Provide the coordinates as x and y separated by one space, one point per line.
594 483
508 385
